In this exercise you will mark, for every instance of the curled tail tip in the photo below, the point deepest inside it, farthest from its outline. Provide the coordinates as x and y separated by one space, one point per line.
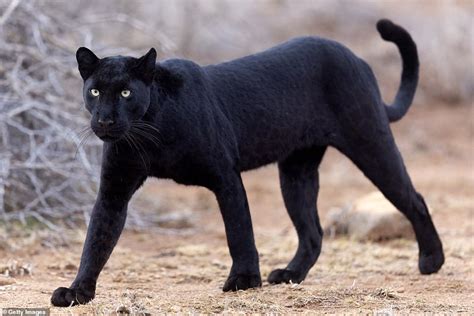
394 33
384 23
389 30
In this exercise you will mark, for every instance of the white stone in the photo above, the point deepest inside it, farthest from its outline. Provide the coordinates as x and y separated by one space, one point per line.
371 217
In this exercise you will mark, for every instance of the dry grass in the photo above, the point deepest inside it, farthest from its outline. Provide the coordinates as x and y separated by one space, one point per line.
189 284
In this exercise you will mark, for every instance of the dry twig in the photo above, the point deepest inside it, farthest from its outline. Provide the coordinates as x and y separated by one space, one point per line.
48 162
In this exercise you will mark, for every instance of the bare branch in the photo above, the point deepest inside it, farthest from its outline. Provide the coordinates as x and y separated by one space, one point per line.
9 11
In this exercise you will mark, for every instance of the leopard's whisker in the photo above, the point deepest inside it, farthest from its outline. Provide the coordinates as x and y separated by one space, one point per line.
146 125
148 136
133 142
83 141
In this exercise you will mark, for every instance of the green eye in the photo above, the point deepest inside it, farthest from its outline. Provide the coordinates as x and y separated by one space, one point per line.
125 93
94 92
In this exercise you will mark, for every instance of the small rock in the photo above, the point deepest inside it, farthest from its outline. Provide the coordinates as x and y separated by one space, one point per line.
4 280
371 217
70 266
123 310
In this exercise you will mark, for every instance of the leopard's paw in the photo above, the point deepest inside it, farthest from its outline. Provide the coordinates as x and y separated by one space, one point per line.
64 297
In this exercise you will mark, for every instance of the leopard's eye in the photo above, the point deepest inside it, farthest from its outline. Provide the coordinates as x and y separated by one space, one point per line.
125 93
94 92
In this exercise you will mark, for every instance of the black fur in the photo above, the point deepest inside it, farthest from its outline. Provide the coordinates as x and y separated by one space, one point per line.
205 125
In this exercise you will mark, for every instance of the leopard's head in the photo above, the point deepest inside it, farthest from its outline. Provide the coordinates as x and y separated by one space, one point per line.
116 90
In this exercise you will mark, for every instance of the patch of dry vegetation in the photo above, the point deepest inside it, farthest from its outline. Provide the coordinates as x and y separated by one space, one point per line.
44 177
49 157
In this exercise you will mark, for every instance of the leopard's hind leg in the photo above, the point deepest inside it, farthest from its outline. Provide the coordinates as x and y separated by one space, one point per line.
300 184
379 159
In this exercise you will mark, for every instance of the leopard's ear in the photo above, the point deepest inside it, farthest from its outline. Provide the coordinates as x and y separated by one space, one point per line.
87 62
145 66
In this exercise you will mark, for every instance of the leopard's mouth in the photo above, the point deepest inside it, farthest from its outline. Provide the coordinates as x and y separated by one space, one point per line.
108 138
109 135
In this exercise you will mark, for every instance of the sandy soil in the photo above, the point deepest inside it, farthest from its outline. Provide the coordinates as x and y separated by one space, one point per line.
165 271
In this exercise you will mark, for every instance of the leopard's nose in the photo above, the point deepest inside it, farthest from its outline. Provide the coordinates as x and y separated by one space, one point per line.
105 123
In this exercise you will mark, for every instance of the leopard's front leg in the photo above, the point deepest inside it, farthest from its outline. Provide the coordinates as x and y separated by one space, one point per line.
117 186
232 199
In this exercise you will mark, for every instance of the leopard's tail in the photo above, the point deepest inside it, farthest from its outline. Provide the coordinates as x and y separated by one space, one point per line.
407 47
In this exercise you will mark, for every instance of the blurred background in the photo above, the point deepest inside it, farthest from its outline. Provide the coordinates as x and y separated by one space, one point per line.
40 87
49 163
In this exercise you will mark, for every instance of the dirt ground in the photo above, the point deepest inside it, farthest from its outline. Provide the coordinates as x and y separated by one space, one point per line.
184 270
